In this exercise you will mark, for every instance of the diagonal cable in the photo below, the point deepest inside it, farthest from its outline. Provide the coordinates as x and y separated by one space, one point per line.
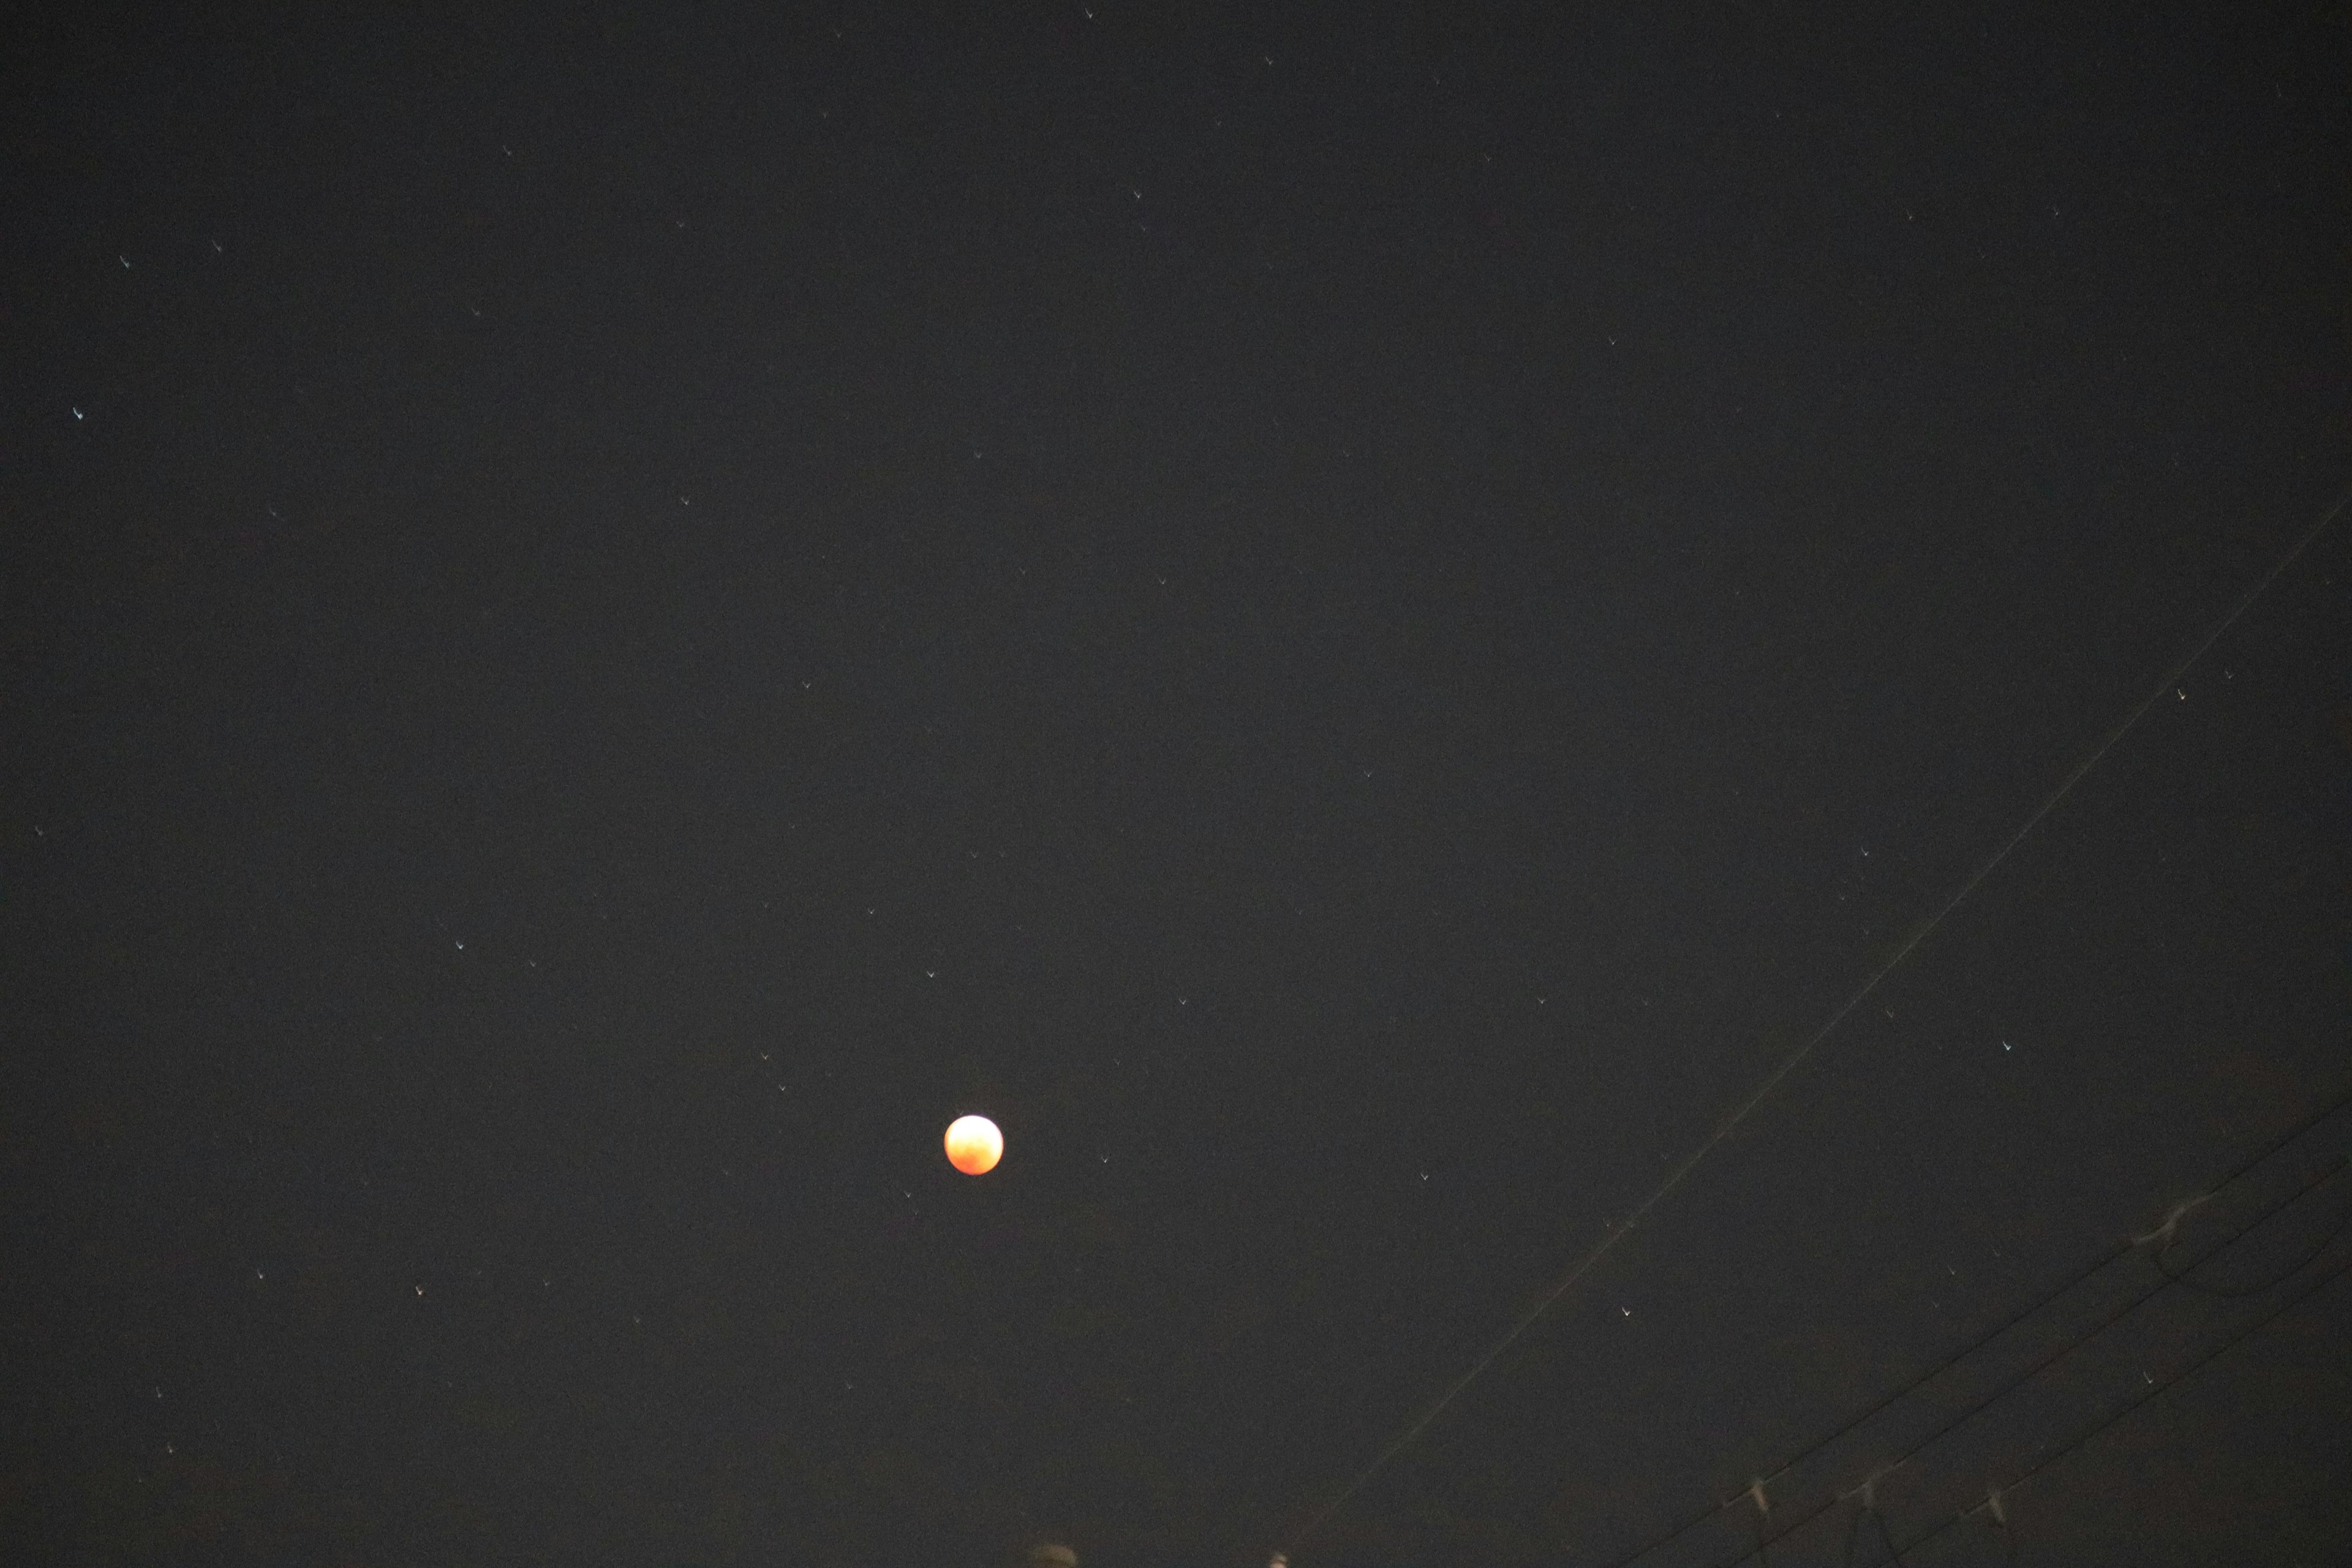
2311 1287
1617 1233
2061 1353
2122 1250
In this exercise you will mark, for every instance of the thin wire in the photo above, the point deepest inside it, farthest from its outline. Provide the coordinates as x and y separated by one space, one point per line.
1886 1539
2062 1351
2230 1292
2008 1541
1754 1494
1614 1233
1991 1507
2317 1283
2213 1188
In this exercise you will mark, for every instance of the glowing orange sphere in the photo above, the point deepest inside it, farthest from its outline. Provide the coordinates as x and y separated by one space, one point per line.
974 1145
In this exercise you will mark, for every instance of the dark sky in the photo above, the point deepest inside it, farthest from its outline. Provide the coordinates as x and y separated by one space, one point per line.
1353 620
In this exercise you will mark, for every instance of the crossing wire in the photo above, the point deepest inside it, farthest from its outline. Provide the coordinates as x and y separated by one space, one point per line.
2310 1288
1614 1233
2050 1359
2122 1250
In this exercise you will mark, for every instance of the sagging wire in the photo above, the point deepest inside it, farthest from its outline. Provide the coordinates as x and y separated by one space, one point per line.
1868 1510
2312 1288
2164 1233
1614 1233
1763 1517
2262 1288
1962 1419
1998 1511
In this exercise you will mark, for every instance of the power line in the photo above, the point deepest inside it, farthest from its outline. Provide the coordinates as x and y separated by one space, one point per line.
2310 1255
2050 1359
1617 1233
2311 1287
2121 1249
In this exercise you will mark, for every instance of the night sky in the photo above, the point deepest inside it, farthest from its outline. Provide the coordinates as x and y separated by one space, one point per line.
1356 622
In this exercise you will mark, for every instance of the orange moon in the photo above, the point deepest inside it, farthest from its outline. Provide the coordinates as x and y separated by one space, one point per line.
974 1145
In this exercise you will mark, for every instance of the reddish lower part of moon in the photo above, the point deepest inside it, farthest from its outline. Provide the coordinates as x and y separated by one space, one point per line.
974 1145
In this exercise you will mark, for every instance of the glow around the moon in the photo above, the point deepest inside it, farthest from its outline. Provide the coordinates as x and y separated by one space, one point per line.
974 1145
